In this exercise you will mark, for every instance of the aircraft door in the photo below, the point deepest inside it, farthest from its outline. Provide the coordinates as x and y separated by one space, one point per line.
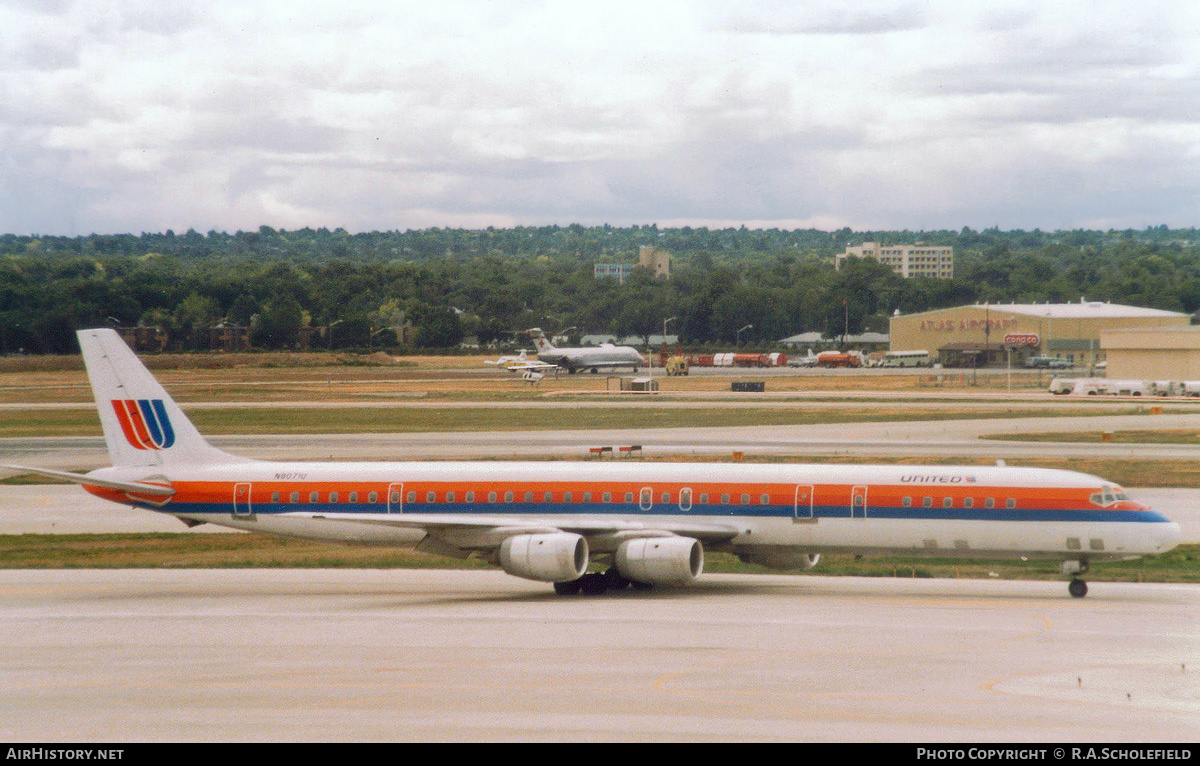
685 499
646 499
803 510
241 502
395 498
858 503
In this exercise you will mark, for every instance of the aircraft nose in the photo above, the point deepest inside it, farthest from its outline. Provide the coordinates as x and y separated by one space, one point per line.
1169 536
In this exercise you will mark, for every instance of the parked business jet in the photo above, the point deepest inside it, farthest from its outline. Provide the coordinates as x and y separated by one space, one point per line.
602 357
648 523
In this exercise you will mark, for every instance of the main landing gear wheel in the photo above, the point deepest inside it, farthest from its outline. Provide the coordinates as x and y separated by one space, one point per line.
614 580
568 588
596 583
1077 588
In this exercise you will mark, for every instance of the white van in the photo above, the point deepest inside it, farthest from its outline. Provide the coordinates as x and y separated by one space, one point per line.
1127 387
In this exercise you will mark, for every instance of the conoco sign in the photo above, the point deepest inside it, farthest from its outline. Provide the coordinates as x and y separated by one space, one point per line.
1021 339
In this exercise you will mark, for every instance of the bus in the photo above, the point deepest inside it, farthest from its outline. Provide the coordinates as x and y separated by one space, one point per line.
905 359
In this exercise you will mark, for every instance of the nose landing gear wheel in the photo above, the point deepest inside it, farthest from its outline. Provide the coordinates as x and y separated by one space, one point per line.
1077 588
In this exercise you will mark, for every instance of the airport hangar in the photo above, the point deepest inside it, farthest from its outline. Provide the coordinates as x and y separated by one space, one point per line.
978 335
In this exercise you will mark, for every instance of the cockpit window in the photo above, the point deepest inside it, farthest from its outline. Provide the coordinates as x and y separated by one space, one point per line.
1109 495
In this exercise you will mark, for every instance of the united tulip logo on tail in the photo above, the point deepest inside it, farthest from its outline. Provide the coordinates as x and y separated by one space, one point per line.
145 423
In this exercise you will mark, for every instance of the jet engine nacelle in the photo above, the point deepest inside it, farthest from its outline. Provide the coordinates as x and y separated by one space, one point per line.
550 557
661 560
779 557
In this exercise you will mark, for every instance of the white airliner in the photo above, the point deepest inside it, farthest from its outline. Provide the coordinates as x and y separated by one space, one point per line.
648 523
602 357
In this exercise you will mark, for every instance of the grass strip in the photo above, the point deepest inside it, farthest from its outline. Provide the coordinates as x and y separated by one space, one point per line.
1116 437
352 420
1164 474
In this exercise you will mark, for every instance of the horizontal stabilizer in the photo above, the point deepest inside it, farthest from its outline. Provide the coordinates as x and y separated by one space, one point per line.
79 478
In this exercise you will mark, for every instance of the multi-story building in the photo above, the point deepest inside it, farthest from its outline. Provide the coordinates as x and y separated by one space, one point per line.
906 260
657 261
618 271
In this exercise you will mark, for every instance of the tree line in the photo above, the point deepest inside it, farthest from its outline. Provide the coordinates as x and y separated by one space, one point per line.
452 284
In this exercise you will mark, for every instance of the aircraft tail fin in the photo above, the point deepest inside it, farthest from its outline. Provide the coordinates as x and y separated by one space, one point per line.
540 341
142 424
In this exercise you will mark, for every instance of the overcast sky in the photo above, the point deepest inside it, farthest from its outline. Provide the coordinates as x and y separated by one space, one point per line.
119 116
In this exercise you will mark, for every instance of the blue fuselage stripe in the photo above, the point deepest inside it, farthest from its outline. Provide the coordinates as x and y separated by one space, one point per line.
709 511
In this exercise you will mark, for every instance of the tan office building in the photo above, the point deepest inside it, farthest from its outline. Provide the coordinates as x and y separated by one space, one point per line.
978 335
906 260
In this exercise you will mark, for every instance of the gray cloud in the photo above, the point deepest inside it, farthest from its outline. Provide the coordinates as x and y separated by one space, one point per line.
832 20
126 116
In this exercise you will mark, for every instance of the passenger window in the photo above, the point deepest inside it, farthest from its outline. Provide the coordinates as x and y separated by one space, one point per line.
745 500
491 497
412 496
430 497
968 502
529 497
470 497
927 502
629 497
990 502
724 498
548 497
947 502
587 497
449 497
333 496
906 502
373 497
353 497
313 497
666 497
703 498
566 497
607 497
1010 503
764 500
295 497
508 497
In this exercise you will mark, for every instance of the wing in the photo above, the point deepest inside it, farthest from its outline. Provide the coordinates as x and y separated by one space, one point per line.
458 534
531 367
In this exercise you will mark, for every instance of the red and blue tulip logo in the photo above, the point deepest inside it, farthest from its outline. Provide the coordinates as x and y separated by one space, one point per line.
145 423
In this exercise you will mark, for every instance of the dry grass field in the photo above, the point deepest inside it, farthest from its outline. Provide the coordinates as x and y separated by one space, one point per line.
335 376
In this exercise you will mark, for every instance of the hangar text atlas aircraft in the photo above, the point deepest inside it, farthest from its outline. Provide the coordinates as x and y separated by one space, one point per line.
648 523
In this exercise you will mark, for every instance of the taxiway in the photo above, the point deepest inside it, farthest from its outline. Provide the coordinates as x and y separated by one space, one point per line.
335 655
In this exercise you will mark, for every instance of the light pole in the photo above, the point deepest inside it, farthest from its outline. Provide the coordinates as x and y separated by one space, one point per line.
739 334
664 343
330 330
563 332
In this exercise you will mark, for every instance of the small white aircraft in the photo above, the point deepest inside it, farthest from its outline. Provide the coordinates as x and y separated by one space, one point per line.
602 357
530 371
648 522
